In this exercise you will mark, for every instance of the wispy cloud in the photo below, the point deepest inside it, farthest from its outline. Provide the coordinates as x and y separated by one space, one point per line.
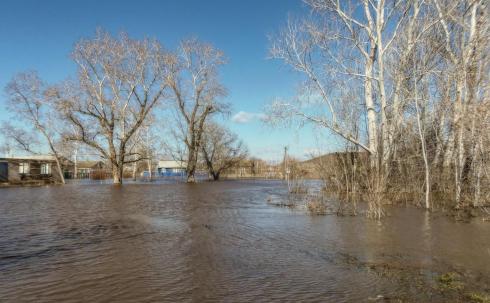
246 117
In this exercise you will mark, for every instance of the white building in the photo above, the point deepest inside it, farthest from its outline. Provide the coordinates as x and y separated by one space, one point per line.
171 167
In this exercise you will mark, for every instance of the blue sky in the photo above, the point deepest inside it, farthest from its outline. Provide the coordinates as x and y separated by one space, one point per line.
39 35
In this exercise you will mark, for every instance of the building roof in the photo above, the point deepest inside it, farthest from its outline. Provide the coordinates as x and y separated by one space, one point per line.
171 164
39 158
32 157
90 164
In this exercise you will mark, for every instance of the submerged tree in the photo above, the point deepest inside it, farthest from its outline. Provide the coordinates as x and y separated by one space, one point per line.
28 100
120 80
144 146
413 71
221 149
197 90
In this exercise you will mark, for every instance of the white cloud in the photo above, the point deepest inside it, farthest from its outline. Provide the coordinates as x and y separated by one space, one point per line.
246 117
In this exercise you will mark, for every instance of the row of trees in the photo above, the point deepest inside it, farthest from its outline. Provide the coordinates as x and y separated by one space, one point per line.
406 82
110 106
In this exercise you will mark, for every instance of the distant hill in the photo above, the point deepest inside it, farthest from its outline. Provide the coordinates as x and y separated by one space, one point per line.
327 164
330 157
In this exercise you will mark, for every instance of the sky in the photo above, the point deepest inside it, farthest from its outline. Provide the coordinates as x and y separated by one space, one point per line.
39 35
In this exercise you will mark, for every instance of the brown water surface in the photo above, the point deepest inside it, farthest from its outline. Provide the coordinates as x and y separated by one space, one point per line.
222 242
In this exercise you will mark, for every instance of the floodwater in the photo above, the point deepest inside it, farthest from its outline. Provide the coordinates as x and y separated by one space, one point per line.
223 242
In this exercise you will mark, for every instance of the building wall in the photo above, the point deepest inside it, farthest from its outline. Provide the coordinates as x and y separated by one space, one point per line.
14 175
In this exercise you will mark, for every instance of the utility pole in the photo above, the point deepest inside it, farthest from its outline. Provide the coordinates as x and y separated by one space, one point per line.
148 152
75 162
285 162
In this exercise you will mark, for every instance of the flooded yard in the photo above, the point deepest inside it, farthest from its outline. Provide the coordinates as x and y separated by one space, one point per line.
223 242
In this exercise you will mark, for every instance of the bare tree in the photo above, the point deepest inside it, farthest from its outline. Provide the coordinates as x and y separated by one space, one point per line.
300 47
144 145
416 71
341 52
421 131
465 30
197 92
360 29
120 80
221 149
28 100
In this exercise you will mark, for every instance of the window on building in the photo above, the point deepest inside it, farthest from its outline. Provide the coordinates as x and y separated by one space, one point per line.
23 168
45 169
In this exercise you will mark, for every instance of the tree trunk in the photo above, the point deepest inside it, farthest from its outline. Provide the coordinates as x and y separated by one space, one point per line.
216 176
191 178
53 150
60 170
457 116
421 130
149 169
191 166
478 174
371 112
396 119
134 171
385 144
75 164
117 171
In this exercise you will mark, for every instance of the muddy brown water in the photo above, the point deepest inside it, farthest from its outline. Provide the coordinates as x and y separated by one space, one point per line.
222 242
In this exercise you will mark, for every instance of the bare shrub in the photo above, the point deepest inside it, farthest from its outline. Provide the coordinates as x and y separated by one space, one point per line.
295 177
407 83
316 207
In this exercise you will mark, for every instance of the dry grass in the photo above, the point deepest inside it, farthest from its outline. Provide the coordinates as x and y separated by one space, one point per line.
316 206
298 188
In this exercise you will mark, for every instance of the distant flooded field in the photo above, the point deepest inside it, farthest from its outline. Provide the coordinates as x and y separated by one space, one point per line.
224 242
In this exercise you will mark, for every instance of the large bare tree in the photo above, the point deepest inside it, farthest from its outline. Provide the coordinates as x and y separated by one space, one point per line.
120 80
197 92
341 49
